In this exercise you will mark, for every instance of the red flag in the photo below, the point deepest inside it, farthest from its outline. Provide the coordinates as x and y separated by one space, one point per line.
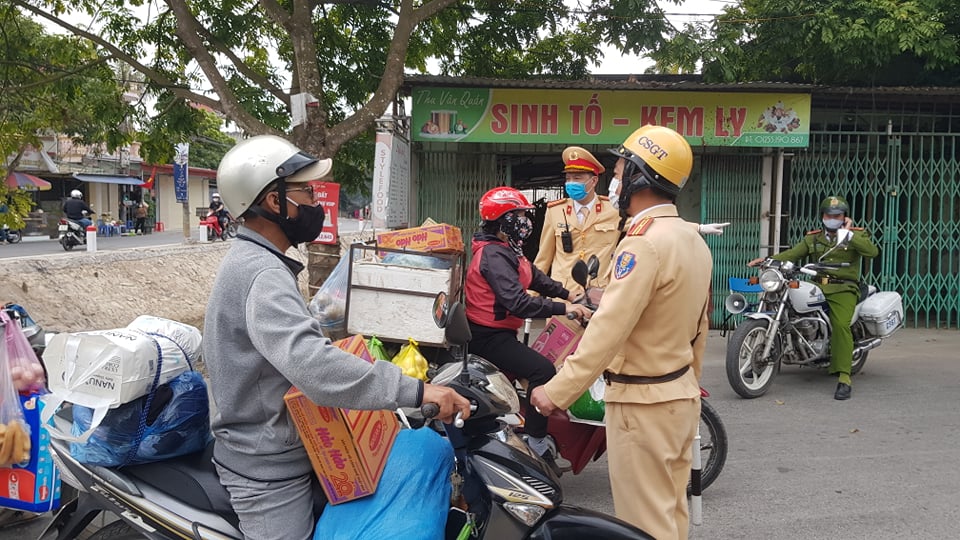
149 183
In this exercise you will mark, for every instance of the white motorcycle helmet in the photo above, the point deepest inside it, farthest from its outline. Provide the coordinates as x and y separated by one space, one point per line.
254 163
215 196
76 194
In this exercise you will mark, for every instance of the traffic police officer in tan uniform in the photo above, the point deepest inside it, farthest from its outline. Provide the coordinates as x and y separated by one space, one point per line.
647 339
585 224
841 286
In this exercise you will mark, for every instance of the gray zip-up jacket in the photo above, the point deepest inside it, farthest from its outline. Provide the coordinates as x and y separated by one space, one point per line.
259 339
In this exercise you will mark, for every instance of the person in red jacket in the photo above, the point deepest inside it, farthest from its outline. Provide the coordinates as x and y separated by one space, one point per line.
497 300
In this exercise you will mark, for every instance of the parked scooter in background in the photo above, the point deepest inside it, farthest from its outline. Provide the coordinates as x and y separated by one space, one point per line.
10 236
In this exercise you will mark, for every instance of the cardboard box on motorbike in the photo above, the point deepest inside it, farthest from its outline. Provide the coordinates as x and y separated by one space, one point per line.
559 338
347 448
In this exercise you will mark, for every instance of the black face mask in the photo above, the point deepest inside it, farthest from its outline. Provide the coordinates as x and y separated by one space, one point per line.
306 226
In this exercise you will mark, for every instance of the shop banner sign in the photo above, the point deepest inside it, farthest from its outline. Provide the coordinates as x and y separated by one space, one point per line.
181 160
608 117
391 182
328 193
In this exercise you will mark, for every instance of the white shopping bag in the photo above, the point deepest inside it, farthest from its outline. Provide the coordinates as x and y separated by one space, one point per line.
105 369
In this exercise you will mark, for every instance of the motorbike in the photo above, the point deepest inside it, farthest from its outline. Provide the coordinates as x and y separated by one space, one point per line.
216 230
11 236
581 442
502 489
790 323
72 233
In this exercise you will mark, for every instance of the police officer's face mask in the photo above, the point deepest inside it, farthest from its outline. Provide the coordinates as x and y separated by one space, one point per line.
615 192
832 224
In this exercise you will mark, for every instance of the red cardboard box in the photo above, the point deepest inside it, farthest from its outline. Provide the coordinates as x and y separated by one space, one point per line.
441 238
559 338
34 487
348 448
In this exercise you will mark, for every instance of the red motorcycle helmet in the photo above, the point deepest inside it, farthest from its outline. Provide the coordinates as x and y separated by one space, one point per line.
500 200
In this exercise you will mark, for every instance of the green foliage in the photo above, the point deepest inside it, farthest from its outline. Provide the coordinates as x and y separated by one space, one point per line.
55 83
14 206
177 121
878 42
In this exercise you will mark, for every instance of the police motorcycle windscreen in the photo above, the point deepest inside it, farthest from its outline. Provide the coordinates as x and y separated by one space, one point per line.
807 298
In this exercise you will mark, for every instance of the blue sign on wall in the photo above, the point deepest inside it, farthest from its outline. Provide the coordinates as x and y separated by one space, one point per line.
180 168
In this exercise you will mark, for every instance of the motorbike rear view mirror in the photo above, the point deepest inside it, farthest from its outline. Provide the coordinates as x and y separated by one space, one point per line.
440 310
457 329
580 273
593 266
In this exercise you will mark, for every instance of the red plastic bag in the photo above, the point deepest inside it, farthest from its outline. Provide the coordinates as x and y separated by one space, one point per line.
14 432
26 371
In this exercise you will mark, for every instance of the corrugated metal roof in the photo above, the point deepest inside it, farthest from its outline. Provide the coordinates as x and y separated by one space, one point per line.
692 83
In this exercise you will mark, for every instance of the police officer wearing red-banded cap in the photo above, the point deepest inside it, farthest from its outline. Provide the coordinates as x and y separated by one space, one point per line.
647 340
583 225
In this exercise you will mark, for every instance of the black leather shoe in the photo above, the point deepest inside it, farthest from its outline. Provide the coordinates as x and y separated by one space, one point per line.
843 391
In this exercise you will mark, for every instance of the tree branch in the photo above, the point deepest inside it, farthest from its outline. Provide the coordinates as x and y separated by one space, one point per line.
57 77
359 121
243 68
276 12
154 75
305 56
188 30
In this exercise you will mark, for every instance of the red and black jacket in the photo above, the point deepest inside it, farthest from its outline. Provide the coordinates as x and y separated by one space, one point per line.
497 283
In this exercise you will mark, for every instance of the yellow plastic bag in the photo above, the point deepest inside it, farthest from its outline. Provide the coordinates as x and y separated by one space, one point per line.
411 361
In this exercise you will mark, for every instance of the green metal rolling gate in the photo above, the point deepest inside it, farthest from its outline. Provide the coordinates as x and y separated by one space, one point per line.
905 189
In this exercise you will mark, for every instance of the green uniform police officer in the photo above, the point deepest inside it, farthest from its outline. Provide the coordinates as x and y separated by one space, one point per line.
841 286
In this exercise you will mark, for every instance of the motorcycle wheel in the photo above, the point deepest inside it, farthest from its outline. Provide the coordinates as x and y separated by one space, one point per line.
747 341
859 360
713 445
118 530
66 243
13 237
231 229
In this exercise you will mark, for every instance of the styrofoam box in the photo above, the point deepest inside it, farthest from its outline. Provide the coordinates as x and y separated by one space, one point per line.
882 313
404 309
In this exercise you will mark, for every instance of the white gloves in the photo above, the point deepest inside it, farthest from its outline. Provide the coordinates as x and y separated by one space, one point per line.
712 228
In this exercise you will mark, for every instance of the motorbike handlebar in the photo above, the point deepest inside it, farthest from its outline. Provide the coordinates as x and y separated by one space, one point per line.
429 410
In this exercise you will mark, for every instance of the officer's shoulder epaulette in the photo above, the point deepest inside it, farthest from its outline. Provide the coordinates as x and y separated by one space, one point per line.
640 227
557 202
603 197
815 231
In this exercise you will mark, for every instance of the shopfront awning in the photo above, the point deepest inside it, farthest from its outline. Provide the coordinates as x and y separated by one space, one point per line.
109 179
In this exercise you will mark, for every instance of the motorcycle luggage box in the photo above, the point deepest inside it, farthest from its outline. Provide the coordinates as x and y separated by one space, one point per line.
882 313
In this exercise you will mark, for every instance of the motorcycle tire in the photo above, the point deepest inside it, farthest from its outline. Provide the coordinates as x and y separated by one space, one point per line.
118 530
231 229
66 243
743 344
713 445
14 237
858 360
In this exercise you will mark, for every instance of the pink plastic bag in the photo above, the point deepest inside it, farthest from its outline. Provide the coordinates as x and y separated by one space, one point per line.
25 370
14 432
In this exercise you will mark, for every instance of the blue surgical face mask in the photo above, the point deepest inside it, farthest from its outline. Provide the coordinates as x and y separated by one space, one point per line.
832 224
576 190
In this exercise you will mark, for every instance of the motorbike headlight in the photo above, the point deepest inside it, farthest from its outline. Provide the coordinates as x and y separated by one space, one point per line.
528 514
771 280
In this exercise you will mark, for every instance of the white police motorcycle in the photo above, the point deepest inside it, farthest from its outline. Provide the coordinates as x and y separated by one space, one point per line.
789 324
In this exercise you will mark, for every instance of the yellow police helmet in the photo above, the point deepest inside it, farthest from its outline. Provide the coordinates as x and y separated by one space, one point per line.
656 156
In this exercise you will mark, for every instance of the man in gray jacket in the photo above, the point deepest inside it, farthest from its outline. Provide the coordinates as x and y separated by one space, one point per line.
260 339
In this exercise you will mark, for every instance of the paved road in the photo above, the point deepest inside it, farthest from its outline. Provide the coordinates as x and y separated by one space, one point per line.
32 247
803 466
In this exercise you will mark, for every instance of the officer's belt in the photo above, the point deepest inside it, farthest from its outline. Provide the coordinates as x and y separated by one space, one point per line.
823 280
610 377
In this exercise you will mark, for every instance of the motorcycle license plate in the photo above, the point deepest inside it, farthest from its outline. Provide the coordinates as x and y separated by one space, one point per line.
62 228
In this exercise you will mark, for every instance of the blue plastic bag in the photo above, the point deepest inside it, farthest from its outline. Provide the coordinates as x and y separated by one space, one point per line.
412 498
176 423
